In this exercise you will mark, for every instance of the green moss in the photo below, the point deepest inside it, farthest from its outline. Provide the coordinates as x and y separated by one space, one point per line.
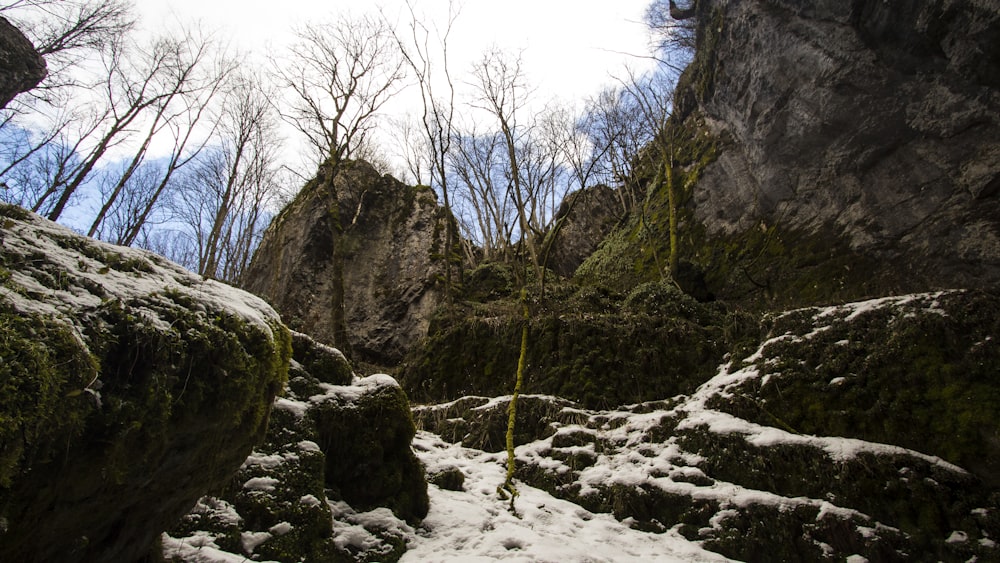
45 376
14 212
373 465
638 251
647 351
925 380
322 363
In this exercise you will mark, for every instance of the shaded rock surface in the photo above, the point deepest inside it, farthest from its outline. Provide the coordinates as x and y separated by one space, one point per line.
392 236
21 67
588 216
751 475
129 387
335 461
872 127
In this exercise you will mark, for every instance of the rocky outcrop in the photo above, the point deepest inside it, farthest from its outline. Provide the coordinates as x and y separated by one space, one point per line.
21 67
393 236
860 432
587 216
336 457
858 146
129 387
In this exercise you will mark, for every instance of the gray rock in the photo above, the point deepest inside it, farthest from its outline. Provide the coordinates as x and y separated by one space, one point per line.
877 122
21 67
589 215
393 235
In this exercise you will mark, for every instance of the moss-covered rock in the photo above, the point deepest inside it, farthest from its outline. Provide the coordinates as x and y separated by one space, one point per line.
367 439
336 459
591 345
931 384
130 388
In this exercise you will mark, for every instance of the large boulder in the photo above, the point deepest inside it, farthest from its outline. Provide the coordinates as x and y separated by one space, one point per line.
21 67
393 239
129 387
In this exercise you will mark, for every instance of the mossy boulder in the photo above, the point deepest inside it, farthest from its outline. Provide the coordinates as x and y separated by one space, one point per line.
335 461
130 387
932 383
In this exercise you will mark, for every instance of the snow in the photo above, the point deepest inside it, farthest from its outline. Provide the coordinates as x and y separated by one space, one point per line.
359 387
217 509
54 245
475 525
251 540
957 536
310 501
261 484
297 408
199 548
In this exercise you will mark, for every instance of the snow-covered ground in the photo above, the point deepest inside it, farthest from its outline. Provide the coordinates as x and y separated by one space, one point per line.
475 525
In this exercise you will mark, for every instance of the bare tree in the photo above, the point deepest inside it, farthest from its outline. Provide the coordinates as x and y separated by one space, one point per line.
438 114
502 92
613 124
673 28
338 76
236 179
139 80
488 217
412 147
192 75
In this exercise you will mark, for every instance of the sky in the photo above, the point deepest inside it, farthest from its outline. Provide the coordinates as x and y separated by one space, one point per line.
570 48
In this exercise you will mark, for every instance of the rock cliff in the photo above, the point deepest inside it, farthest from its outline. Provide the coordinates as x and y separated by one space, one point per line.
129 387
874 123
854 148
21 67
393 236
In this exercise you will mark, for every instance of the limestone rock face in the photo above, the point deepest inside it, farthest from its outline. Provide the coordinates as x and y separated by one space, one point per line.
873 123
392 235
590 215
129 387
21 67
